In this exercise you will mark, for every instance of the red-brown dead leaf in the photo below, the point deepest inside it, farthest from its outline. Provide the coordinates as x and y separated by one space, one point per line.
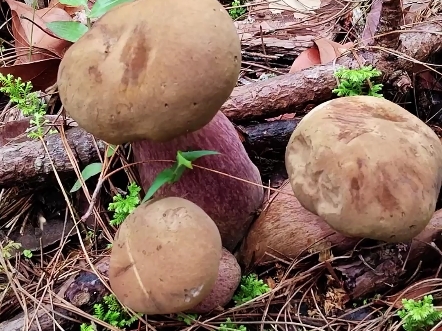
372 22
416 293
428 81
41 74
25 31
325 52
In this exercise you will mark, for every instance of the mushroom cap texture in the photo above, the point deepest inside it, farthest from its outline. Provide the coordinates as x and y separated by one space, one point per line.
229 277
162 73
165 257
285 229
230 203
367 166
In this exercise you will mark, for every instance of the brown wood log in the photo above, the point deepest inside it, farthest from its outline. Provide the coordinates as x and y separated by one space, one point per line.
295 92
27 162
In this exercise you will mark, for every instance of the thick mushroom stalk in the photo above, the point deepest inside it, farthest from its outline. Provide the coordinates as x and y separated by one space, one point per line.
367 166
231 203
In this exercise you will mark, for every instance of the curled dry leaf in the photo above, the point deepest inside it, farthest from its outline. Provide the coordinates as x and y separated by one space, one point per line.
27 33
41 73
324 51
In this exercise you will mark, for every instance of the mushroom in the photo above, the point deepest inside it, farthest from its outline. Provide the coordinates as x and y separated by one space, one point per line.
231 203
165 257
285 230
367 166
162 73
229 277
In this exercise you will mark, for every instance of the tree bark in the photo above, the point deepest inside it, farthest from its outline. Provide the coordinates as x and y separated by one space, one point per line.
296 92
27 162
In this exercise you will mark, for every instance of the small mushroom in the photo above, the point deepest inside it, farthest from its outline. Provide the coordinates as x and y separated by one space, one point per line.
151 69
284 230
367 166
165 257
229 277
231 203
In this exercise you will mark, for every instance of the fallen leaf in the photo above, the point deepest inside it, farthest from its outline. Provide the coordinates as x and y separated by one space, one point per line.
308 58
300 8
41 74
371 22
324 52
416 293
428 81
27 33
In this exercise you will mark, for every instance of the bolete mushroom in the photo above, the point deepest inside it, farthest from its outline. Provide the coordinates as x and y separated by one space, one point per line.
231 203
151 69
229 277
367 166
165 257
285 230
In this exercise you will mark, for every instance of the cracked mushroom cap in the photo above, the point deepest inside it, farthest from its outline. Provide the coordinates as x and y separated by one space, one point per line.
165 257
367 166
151 69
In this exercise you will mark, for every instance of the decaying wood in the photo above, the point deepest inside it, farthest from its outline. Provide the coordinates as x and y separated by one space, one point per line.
294 92
82 290
27 161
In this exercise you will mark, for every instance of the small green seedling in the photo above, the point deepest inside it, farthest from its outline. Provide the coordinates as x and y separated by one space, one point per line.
187 318
354 82
10 248
110 311
28 102
71 30
173 174
229 326
123 206
237 11
419 315
249 288
27 253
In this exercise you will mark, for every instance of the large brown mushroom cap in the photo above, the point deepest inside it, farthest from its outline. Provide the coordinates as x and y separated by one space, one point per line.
367 166
151 69
165 257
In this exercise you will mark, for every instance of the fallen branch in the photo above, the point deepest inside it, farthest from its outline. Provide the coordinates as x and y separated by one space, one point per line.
27 161
293 93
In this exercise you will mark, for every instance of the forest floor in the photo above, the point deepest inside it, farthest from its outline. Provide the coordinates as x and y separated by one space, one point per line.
290 58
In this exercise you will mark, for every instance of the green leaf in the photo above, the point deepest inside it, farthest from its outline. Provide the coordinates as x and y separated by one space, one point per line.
111 150
88 172
182 161
193 155
164 177
102 6
67 30
74 3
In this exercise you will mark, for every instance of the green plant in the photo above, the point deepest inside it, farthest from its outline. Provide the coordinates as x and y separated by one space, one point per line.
228 325
237 11
86 327
28 102
250 288
71 30
419 315
10 248
187 318
27 253
173 174
110 311
123 206
354 82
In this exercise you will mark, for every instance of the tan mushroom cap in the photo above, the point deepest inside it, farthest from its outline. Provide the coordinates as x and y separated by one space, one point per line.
367 166
165 257
151 69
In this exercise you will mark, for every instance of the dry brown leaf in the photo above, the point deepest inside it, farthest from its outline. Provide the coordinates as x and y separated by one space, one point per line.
371 23
428 81
25 31
71 10
325 52
41 74
416 293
